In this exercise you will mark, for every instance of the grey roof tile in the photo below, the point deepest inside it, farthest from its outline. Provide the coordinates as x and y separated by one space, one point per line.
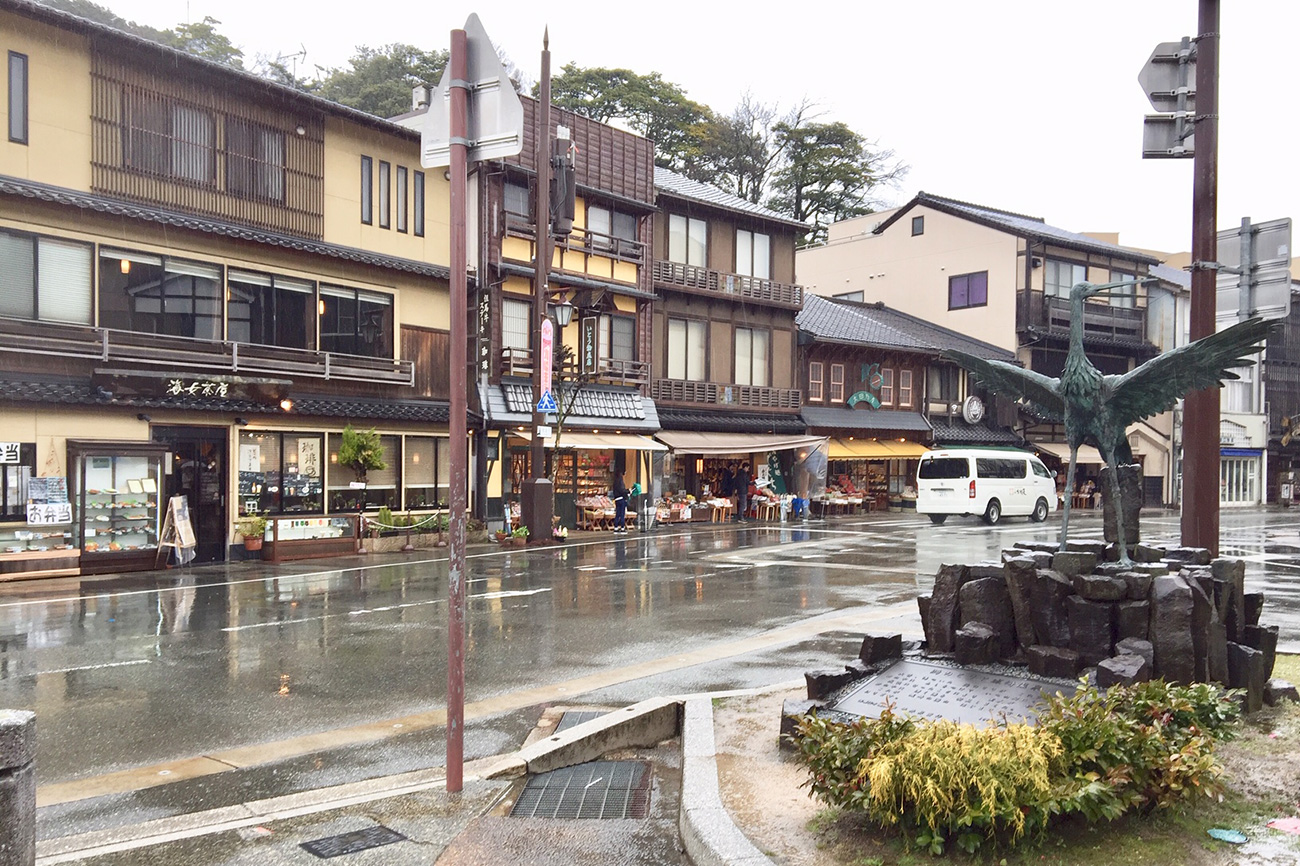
669 181
864 419
1017 224
102 204
958 432
876 325
82 393
714 421
1177 276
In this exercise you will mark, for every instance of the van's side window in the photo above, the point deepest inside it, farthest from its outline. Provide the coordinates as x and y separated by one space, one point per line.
1000 467
944 468
1040 470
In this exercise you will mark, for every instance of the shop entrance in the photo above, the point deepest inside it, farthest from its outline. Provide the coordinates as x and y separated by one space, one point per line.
198 472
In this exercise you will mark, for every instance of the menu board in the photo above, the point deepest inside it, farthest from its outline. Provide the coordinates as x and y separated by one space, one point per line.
47 501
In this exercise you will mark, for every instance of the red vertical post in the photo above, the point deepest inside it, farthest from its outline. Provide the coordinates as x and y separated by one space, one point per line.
1200 500
457 496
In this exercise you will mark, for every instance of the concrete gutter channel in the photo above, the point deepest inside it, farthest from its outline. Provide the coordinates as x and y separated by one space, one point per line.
708 834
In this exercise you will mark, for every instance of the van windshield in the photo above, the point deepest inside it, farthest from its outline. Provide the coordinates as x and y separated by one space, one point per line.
941 468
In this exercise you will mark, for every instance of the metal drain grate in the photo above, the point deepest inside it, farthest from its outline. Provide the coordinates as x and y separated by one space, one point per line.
351 843
574 718
600 789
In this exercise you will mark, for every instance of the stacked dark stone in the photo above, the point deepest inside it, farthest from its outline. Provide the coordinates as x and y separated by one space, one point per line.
1173 614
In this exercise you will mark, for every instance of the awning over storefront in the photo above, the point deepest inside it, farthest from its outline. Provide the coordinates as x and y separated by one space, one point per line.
733 443
605 442
1087 453
875 449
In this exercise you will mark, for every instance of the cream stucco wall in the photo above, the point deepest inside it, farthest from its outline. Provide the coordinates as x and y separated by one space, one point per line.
345 144
58 87
911 273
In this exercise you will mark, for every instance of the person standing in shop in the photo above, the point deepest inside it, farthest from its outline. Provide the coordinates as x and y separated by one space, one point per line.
618 493
742 491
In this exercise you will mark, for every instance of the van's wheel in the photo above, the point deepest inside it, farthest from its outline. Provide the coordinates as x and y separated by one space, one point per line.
938 519
1040 511
993 513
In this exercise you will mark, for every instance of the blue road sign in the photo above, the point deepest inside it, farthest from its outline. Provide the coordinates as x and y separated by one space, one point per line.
547 403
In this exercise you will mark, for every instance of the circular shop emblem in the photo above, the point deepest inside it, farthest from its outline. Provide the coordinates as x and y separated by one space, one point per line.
972 410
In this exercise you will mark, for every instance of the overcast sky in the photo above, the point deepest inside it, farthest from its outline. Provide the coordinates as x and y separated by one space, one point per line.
1026 105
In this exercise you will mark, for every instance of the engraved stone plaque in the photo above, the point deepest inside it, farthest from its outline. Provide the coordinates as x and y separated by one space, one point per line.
934 690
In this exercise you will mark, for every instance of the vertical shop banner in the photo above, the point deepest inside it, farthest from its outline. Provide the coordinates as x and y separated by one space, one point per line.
775 474
309 457
590 347
546 356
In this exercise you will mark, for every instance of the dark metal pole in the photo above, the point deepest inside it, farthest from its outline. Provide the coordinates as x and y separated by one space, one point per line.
538 518
459 127
1200 501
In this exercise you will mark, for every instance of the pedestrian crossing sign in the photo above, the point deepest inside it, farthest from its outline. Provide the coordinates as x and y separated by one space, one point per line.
547 403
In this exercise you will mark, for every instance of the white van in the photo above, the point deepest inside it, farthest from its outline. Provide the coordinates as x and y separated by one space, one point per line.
988 482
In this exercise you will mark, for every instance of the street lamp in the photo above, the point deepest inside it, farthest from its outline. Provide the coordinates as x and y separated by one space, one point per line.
563 313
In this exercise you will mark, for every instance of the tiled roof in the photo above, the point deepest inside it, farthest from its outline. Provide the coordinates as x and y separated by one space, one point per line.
713 421
1018 224
863 419
114 207
672 183
82 393
875 325
174 56
958 432
596 406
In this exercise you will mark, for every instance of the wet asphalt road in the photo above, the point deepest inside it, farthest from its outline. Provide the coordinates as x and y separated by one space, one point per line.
139 671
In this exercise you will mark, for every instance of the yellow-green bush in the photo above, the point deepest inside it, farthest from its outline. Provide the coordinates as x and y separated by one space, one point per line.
1099 754
939 781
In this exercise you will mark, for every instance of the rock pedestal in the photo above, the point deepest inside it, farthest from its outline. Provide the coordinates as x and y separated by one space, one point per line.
1130 494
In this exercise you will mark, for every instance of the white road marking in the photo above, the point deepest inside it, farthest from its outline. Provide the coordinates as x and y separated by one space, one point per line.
93 667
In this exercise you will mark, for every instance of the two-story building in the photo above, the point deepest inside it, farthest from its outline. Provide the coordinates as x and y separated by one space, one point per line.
204 277
1003 278
725 370
601 268
875 384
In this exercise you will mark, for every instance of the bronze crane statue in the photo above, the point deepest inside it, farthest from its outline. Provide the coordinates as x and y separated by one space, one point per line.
1097 408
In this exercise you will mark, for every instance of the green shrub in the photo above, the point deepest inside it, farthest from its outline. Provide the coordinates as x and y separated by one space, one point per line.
1098 754
385 517
940 782
1146 746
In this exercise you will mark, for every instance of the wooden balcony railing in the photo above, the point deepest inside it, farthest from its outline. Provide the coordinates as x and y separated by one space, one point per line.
107 346
581 241
1100 321
683 391
675 274
610 371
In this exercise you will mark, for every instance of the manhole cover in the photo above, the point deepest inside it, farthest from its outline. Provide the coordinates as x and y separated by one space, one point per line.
600 789
351 843
573 718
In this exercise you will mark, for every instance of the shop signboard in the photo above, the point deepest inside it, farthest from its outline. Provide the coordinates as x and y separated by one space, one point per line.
47 501
590 347
146 383
775 474
309 457
9 452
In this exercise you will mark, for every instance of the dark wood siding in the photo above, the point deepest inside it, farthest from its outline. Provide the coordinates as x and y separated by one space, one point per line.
429 349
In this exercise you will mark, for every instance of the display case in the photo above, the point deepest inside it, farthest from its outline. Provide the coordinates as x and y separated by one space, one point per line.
37 551
116 494
309 537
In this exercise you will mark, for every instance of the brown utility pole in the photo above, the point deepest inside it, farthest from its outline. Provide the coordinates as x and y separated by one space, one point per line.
1200 500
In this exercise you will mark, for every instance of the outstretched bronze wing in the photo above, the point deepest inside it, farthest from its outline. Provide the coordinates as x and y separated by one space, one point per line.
1156 385
1016 383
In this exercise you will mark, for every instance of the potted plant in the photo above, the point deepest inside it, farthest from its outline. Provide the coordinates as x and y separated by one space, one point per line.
361 451
253 529
519 537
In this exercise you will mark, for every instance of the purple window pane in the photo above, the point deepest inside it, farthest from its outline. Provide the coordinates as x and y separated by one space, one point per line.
979 289
957 293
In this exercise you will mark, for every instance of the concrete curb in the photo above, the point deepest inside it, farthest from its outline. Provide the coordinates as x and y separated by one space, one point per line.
708 833
710 836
